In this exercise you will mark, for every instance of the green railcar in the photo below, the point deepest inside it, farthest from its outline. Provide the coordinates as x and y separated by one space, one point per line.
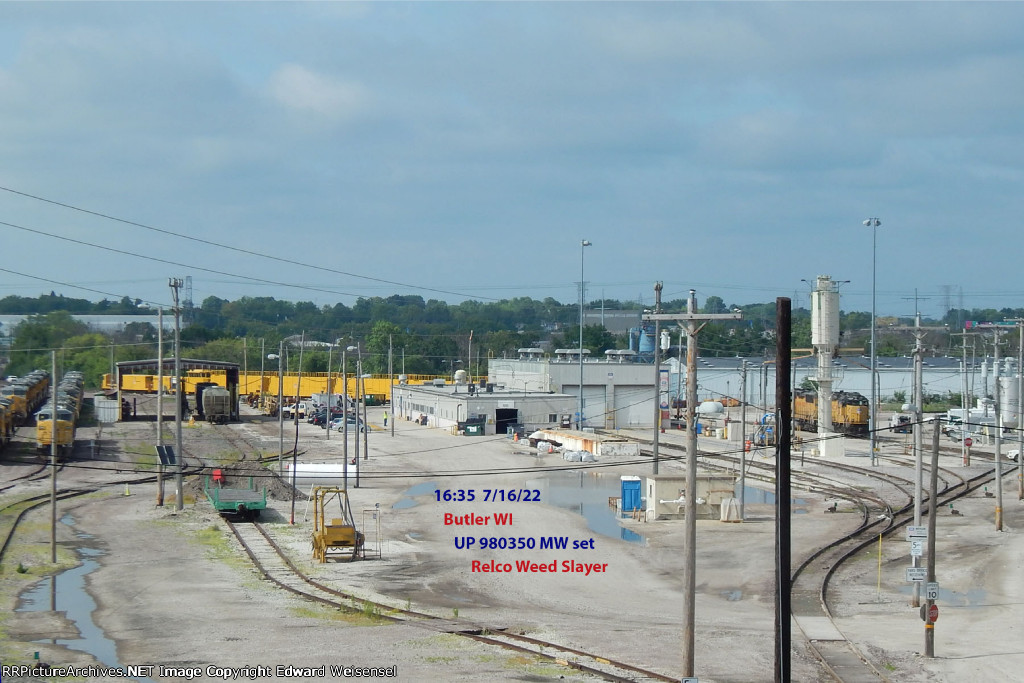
247 502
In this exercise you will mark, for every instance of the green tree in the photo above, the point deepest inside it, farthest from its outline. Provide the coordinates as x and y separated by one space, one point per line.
37 335
715 304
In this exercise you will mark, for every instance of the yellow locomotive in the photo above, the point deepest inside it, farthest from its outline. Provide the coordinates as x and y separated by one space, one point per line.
60 416
26 394
6 422
850 412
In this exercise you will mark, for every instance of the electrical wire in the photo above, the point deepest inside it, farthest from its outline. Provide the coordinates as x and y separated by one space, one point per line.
240 250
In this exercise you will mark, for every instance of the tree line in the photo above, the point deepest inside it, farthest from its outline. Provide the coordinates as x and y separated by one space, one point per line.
423 336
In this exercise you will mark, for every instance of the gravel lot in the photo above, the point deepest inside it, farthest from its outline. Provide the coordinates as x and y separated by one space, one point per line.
173 590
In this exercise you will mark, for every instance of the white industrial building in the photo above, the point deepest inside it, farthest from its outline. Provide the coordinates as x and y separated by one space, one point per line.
496 408
617 392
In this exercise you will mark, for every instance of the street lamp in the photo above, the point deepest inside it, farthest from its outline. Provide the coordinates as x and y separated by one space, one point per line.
355 459
583 245
873 223
344 413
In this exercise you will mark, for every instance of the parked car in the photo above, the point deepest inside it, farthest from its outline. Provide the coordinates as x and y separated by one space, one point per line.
336 423
320 418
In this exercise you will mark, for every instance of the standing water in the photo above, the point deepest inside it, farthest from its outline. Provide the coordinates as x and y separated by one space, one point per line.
66 591
587 493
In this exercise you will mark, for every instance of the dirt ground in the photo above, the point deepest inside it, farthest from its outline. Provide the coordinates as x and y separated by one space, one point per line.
173 590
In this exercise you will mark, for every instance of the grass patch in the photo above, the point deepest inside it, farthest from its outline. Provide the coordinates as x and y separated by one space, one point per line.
360 618
225 457
220 546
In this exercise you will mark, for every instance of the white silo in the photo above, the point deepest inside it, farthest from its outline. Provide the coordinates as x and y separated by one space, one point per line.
1009 398
825 339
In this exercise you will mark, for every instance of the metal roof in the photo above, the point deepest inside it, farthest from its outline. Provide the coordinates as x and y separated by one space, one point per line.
186 364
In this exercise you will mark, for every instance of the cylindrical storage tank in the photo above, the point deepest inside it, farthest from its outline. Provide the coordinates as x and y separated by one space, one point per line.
646 343
1009 398
825 313
318 474
460 376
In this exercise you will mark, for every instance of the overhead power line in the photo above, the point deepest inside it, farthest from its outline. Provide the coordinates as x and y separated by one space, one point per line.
240 250
169 262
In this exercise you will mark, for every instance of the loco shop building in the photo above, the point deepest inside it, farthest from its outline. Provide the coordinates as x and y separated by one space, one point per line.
617 391
483 410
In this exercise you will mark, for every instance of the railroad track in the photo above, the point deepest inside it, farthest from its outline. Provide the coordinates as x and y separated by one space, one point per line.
12 512
274 565
878 513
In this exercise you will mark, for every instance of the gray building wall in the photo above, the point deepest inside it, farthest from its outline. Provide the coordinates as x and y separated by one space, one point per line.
444 407
615 395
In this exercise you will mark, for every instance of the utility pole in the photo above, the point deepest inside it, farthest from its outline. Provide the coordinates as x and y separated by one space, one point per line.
657 373
743 437
999 434
929 622
280 411
918 438
327 410
179 492
159 405
391 376
693 322
965 403
53 457
783 507
295 416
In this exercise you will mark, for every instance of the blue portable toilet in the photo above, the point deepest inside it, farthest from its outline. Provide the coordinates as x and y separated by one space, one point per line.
632 498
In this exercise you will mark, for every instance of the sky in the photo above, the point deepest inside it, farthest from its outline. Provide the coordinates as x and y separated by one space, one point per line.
328 151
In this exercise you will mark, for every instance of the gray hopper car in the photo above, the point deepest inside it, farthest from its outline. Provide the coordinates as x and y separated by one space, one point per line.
217 405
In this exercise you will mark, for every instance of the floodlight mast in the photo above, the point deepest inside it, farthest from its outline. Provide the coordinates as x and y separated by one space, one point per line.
873 223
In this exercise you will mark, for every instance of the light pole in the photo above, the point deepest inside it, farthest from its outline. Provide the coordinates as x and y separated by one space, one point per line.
344 413
280 415
359 371
583 246
873 223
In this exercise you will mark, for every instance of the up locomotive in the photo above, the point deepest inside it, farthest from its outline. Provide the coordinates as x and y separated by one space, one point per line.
850 412
65 405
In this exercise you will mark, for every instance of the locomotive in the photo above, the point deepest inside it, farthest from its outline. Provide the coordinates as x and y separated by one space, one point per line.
66 406
850 412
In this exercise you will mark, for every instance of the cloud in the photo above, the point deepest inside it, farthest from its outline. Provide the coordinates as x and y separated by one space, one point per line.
328 98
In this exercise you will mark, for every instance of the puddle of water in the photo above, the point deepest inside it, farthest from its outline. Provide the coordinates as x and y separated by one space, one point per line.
407 500
587 493
973 598
752 494
66 592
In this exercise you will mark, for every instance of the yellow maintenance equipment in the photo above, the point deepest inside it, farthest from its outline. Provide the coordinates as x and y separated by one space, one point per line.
337 534
376 388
